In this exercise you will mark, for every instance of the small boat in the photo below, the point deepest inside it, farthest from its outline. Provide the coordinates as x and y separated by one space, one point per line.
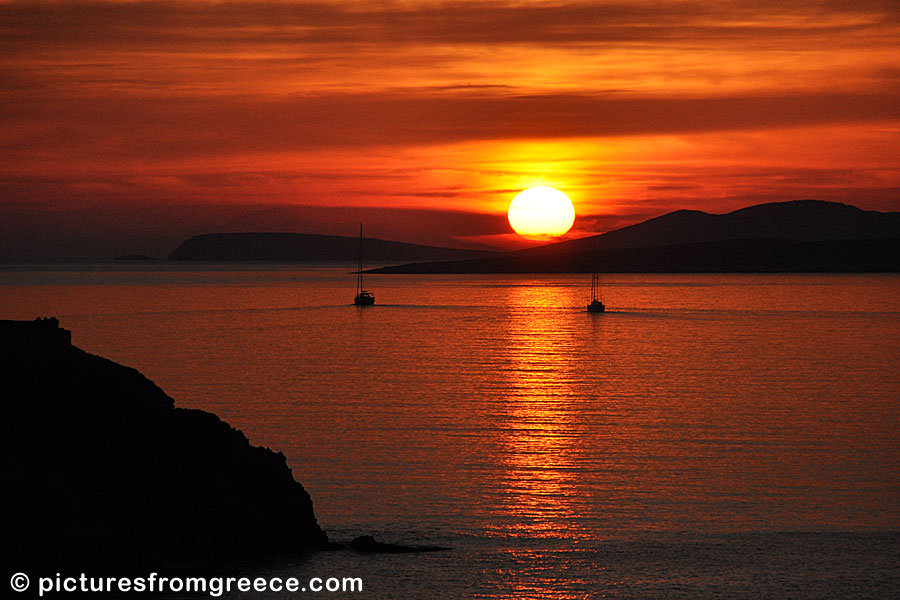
363 297
596 305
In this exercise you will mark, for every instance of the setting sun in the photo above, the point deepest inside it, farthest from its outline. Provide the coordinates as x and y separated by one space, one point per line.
541 212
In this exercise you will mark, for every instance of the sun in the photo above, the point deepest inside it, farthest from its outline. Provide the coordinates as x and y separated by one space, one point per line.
541 212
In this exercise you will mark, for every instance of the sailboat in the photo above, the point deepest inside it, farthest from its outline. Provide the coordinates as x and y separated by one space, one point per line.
363 298
596 305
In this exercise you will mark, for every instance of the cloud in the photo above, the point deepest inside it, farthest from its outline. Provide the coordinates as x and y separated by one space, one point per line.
168 80
185 127
440 23
431 104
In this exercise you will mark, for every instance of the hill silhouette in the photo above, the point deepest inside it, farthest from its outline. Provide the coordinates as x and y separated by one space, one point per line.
797 236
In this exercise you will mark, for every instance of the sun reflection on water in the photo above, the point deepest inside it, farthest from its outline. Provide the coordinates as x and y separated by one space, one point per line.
540 441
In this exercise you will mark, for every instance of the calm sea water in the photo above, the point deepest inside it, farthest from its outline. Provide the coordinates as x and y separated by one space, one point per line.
709 436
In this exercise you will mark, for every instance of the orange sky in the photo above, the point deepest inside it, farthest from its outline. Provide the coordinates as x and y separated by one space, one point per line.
632 108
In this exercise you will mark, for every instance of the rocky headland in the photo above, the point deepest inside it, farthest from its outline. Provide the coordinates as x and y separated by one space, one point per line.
102 468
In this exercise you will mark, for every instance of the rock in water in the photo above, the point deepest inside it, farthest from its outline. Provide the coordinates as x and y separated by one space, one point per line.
366 544
101 468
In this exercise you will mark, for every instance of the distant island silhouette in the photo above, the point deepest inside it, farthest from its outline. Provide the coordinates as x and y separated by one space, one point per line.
102 469
797 236
308 247
776 237
136 258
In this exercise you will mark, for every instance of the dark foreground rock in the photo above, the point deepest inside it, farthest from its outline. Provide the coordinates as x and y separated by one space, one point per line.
101 468
367 544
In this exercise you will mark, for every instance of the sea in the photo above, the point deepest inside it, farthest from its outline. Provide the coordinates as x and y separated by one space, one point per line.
709 436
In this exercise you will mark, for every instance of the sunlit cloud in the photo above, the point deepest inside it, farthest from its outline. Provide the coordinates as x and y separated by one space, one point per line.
633 107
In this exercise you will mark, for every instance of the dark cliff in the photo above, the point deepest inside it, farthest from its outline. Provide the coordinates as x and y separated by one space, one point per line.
101 468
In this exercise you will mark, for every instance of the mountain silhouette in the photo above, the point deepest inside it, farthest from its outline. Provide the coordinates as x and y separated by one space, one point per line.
796 236
798 220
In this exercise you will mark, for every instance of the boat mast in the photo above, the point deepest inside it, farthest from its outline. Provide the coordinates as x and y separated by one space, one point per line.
359 270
